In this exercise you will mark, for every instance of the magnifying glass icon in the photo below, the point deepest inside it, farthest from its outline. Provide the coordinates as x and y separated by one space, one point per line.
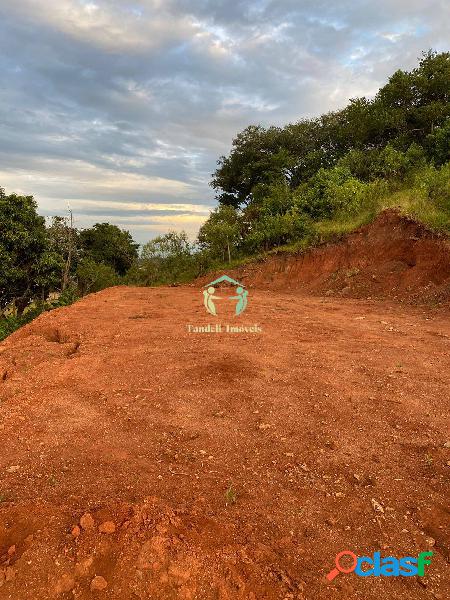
339 568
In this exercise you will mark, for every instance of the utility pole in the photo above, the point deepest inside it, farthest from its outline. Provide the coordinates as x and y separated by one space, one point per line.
66 273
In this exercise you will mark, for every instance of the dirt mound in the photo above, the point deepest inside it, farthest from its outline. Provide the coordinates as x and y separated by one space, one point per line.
393 257
141 461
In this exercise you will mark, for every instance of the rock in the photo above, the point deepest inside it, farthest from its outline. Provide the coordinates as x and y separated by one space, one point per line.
98 584
179 574
377 506
13 468
76 531
11 550
82 568
65 584
107 527
87 521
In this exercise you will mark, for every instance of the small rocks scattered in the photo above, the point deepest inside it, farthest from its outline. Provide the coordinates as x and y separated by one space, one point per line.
264 426
13 468
107 527
65 584
98 584
87 521
377 507
76 531
82 568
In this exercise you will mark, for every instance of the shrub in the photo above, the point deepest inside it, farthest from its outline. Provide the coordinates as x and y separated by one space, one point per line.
93 276
435 184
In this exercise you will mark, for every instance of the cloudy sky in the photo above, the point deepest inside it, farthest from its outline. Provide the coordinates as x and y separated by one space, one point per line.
122 108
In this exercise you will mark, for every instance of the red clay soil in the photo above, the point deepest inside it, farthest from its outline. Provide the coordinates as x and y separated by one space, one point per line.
143 461
393 257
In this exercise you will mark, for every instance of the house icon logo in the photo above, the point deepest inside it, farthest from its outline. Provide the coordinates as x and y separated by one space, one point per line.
209 295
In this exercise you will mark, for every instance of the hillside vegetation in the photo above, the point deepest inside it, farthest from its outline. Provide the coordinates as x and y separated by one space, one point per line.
294 186
279 188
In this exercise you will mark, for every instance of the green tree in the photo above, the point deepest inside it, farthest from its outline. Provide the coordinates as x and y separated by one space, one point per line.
327 192
64 240
258 156
107 244
220 234
29 267
167 259
438 144
93 277
411 106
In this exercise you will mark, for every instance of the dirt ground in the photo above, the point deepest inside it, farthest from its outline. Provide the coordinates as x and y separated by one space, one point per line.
141 461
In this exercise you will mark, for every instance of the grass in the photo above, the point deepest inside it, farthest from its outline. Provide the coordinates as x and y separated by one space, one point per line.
428 460
11 322
230 496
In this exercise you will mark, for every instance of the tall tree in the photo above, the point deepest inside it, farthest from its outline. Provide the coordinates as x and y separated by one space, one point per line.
107 244
29 267
220 233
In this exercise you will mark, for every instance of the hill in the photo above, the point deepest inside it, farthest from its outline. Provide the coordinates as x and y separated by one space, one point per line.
394 257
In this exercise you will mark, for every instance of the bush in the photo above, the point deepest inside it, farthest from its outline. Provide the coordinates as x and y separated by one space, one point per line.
274 230
328 192
167 259
93 276
435 184
10 323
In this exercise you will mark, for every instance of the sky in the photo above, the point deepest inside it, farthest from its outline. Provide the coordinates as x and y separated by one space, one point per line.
121 109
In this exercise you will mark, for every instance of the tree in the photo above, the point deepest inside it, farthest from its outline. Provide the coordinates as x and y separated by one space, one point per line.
93 277
107 244
167 259
330 191
221 232
411 106
29 267
64 240
438 144
258 156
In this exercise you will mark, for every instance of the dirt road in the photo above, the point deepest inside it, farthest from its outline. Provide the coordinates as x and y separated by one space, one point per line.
223 465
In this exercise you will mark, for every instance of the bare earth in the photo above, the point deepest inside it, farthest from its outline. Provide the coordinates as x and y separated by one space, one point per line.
331 427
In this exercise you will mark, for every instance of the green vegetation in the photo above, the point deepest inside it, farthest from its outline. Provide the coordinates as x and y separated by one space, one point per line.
287 188
230 496
280 189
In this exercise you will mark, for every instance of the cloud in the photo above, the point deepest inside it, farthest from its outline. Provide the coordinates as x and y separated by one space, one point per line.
114 104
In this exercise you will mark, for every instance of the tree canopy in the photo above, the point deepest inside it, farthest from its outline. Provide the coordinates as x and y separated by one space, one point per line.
29 266
413 108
